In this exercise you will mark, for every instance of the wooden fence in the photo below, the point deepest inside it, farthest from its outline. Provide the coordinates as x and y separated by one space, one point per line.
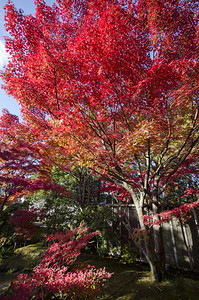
181 240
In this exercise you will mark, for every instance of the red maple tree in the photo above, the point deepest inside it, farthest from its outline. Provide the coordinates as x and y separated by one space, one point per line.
112 85
23 169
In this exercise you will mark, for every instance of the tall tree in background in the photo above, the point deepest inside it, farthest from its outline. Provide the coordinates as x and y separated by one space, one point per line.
113 86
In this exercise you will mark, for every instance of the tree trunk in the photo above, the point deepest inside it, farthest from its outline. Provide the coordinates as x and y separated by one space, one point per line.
4 202
153 240
153 249
158 238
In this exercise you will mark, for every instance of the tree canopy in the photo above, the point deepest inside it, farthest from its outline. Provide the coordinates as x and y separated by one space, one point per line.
23 168
113 86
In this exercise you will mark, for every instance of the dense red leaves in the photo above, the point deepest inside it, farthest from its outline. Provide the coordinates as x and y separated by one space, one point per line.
111 85
21 160
190 192
54 276
65 243
23 222
172 25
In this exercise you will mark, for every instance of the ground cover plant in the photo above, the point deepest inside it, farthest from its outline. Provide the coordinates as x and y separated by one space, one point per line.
56 277
132 282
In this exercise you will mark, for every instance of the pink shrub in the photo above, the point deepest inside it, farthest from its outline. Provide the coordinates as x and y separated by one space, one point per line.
57 275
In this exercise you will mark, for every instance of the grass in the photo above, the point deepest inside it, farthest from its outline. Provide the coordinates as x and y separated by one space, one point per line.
128 282
136 283
23 260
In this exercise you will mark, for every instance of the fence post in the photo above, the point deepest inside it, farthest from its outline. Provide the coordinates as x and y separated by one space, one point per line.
186 241
174 243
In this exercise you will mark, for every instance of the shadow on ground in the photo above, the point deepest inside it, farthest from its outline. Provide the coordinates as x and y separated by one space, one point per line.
128 282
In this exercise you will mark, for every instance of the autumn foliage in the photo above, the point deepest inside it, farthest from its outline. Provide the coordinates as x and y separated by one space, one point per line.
57 275
113 86
23 169
24 222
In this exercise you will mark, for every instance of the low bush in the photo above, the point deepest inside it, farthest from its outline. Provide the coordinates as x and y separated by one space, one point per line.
58 276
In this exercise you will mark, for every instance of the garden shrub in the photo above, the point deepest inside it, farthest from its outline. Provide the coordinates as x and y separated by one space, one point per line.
8 236
99 217
24 223
58 276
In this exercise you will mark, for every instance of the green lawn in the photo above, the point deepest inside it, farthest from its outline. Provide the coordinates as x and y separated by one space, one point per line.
128 282
135 283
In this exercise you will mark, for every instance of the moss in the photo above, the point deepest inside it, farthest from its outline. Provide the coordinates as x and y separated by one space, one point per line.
24 258
127 283
135 282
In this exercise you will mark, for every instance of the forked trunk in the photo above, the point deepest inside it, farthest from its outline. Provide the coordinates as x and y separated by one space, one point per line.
153 249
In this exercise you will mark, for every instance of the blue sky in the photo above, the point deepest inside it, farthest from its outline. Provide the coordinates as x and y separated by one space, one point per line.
28 8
